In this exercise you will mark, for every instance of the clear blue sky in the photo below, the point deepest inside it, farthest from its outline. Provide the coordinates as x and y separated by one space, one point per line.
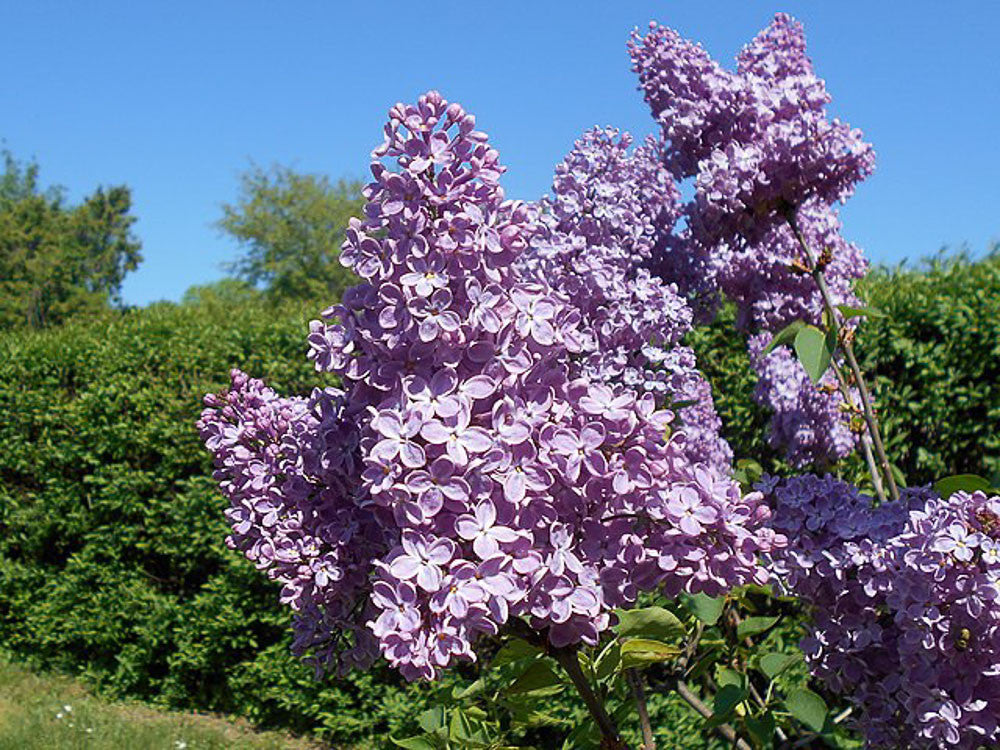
174 99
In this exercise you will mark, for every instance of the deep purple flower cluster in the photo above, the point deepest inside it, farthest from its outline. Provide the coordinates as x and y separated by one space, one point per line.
757 144
611 208
754 140
906 622
478 467
808 423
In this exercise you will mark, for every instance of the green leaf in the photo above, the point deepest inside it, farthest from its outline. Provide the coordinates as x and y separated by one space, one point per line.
414 743
762 727
785 336
754 625
432 719
814 350
706 608
639 652
539 679
726 676
775 663
752 469
649 622
608 661
961 483
856 312
726 701
808 708
460 727
514 650
458 693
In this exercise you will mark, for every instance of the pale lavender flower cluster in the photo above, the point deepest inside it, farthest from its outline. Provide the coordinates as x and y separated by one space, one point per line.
757 143
288 467
754 140
611 208
769 292
487 474
904 599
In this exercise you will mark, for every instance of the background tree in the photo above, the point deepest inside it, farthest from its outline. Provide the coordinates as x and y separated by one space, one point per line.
58 260
291 226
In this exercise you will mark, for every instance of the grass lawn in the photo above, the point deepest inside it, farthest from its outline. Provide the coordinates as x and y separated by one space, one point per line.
41 712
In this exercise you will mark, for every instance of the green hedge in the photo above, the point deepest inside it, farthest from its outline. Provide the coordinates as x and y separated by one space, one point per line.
111 557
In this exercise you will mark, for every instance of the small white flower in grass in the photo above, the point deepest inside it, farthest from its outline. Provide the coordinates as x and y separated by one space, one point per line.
90 730
68 709
59 715
180 744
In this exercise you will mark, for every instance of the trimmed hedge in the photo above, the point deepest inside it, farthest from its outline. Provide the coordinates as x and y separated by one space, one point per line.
111 557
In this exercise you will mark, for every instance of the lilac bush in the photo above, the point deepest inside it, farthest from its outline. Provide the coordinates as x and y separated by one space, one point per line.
522 442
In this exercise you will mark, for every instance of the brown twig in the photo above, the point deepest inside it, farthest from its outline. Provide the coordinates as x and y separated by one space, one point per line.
698 705
634 680
567 658
866 402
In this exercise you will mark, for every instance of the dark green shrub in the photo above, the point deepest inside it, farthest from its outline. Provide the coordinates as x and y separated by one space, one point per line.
111 556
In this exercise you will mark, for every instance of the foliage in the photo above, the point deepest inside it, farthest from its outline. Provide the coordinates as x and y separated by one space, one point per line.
59 260
111 562
935 353
290 226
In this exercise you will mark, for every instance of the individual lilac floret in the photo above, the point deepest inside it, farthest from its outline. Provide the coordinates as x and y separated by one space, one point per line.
490 475
904 603
808 422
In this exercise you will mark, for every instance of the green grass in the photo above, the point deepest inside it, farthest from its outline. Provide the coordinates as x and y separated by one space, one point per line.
43 712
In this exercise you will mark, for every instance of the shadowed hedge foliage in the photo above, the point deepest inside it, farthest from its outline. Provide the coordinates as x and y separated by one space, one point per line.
111 557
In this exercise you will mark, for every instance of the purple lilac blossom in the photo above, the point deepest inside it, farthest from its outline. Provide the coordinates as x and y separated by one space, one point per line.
769 293
904 600
609 214
472 471
808 422
754 140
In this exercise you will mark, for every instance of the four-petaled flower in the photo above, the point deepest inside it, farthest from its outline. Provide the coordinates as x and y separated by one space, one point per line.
457 436
481 529
422 560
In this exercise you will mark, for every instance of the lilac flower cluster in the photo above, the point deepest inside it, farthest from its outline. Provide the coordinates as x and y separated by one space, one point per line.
479 466
754 140
757 143
904 600
769 292
808 423
288 468
610 210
